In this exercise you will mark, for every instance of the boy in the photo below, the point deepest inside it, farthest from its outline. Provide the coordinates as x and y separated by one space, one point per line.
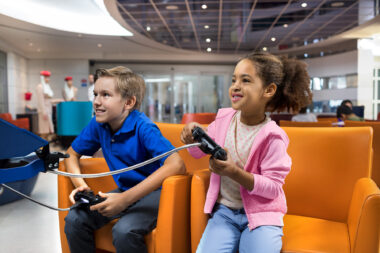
127 137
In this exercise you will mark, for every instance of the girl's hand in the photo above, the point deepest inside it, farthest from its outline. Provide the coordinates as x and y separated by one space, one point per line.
187 132
78 189
223 168
114 204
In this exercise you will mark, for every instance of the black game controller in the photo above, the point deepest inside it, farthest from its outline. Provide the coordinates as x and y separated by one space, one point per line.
87 199
208 145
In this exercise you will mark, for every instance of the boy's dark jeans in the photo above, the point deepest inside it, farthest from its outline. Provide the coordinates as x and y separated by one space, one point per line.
128 233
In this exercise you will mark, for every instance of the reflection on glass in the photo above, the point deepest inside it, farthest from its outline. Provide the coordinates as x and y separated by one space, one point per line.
157 97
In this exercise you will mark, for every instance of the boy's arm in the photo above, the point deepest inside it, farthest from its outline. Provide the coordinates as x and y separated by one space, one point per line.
72 166
116 203
173 165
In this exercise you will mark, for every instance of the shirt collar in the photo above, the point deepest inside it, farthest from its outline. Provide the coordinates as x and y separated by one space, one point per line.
128 125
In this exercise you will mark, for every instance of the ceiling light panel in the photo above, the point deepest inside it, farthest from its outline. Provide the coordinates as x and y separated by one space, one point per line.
230 18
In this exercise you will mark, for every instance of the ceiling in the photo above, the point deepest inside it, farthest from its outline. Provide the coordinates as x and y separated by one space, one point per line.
240 26
178 34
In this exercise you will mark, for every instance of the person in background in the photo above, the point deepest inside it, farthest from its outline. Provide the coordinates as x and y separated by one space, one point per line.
245 198
127 137
91 87
347 102
344 112
304 116
44 106
69 92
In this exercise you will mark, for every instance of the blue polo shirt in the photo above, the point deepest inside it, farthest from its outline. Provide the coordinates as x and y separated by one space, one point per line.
138 140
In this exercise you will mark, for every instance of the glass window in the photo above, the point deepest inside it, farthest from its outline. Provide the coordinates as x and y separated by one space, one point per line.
317 83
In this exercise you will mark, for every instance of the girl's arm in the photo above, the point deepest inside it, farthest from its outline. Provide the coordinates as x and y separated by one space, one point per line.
274 167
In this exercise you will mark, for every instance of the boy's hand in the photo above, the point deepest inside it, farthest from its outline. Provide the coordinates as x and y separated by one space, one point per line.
114 204
223 168
78 189
187 132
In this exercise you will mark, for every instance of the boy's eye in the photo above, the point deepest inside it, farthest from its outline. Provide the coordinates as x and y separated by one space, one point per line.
246 80
106 94
233 80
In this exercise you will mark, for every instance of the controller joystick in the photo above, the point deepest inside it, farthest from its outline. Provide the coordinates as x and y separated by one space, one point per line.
208 145
87 198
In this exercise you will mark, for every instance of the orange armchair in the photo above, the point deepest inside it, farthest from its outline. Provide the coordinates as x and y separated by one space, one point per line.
201 117
172 233
375 145
21 123
288 123
172 132
333 205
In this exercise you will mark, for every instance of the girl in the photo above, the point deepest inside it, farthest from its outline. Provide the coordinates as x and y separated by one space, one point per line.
245 197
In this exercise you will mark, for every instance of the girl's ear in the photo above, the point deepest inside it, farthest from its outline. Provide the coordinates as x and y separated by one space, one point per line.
130 103
270 90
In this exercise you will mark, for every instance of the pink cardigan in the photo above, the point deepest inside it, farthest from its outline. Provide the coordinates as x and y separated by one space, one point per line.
269 163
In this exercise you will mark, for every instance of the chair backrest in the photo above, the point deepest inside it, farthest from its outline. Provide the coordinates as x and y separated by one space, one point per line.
332 119
172 132
326 163
202 117
6 116
276 117
376 145
288 123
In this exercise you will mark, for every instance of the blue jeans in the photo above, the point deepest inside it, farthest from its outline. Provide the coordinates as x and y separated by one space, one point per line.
227 231
128 232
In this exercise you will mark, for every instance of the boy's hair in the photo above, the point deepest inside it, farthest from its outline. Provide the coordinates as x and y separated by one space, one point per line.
128 84
290 76
343 109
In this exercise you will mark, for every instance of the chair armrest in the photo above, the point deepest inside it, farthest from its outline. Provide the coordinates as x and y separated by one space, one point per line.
364 217
198 219
173 225
65 187
21 123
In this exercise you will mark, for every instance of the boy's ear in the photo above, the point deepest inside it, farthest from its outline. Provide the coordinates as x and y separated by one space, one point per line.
130 103
270 90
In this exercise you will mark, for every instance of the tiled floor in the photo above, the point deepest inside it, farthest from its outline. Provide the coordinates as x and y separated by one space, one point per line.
27 227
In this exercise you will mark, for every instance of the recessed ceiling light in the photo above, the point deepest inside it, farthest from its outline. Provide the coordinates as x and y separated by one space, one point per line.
273 39
305 55
208 40
206 27
304 5
30 44
265 49
209 49
148 28
285 25
38 49
337 4
80 35
171 7
204 6
100 45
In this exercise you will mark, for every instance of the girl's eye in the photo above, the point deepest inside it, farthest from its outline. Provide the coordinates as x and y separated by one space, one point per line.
106 94
246 80
233 80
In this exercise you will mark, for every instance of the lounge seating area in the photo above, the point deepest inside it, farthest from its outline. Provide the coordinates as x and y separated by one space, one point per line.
21 123
333 204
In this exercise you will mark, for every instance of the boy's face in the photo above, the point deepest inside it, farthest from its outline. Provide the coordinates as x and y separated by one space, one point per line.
109 106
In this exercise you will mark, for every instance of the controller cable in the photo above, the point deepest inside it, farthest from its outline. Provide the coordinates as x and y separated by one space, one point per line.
66 174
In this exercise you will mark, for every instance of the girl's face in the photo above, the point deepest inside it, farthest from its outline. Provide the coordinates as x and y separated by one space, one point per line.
247 92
